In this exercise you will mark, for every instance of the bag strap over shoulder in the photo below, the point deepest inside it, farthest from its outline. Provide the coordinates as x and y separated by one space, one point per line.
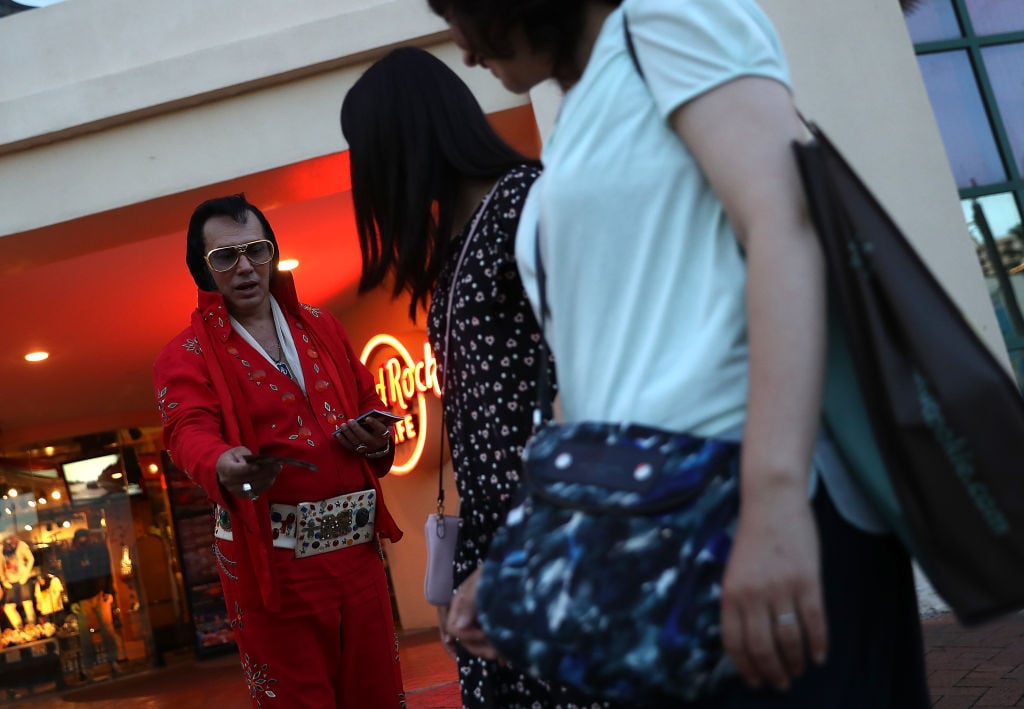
630 46
543 410
467 239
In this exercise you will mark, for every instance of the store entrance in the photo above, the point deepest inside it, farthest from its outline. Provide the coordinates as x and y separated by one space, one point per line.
91 570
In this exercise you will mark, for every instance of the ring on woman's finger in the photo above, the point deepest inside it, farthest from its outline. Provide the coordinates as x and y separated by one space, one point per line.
788 618
361 447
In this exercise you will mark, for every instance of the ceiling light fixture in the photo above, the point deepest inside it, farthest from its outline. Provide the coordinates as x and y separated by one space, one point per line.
36 356
288 264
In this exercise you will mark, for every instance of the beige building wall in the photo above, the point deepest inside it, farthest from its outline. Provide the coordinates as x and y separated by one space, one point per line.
175 95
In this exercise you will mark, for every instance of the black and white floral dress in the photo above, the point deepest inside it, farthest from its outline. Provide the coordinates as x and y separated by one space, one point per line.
489 391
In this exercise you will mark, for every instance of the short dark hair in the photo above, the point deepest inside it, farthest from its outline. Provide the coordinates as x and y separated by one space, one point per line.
415 133
553 27
236 207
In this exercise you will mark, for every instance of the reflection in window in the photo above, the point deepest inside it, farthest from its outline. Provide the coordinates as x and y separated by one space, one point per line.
996 16
1004 223
933 20
995 224
1004 70
962 120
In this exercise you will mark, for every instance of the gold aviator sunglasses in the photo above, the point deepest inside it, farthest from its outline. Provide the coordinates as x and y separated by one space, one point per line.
225 258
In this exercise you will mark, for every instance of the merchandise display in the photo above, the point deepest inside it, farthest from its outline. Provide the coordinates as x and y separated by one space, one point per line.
191 511
27 634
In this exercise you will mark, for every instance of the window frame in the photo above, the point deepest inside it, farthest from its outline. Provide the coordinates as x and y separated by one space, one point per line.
973 45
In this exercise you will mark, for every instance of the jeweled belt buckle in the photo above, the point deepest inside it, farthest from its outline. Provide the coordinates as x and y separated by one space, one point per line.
335 523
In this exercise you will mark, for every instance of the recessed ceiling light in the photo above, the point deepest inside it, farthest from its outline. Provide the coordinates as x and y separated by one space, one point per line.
288 264
36 356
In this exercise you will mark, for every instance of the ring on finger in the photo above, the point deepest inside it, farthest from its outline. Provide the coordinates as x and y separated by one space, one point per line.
361 447
787 618
386 434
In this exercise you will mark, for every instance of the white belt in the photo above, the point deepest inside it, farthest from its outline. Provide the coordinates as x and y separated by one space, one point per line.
312 528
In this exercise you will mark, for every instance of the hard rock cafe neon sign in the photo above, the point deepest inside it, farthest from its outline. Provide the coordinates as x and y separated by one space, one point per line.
402 383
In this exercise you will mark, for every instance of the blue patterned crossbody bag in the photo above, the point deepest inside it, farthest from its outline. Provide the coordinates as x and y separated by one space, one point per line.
606 575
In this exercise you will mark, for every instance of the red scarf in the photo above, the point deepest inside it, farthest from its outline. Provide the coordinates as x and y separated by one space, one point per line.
254 533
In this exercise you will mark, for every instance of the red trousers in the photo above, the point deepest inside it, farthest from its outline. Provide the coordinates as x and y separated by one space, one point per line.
332 643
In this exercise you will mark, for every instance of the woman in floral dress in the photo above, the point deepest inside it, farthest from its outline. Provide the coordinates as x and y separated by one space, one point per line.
437 197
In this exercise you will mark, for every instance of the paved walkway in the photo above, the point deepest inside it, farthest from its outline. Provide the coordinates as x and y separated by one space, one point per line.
976 667
979 667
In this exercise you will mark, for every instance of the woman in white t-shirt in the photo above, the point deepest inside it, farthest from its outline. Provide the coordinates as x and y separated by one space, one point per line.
686 291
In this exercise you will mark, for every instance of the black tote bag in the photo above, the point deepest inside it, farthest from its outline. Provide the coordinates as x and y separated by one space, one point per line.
927 419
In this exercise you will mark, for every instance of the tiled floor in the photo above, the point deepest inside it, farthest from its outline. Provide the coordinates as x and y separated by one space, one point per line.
967 669
979 667
430 683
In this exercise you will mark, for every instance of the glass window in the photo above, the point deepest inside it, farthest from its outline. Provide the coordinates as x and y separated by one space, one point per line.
1001 213
996 16
1004 71
962 120
933 20
1006 246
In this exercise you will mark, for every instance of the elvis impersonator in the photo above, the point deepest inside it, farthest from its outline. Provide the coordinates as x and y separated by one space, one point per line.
259 396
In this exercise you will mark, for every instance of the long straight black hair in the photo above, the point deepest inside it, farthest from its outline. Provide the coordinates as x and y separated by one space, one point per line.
416 134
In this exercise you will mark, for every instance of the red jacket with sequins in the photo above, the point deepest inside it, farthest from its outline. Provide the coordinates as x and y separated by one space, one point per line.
215 392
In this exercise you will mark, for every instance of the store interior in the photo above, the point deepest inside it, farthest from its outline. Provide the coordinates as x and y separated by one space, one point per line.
112 485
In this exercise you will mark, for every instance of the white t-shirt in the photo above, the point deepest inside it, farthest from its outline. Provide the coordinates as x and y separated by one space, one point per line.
645 278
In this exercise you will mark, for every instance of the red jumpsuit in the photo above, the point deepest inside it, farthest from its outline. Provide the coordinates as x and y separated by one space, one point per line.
312 632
